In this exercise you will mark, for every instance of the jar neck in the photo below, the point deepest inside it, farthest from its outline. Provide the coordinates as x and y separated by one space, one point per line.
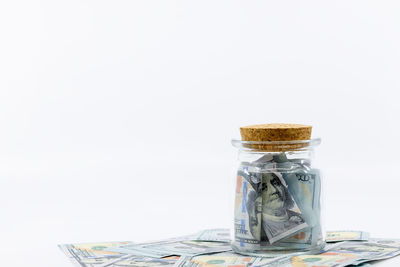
253 157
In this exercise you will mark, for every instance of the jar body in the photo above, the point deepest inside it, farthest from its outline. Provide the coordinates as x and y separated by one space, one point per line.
277 202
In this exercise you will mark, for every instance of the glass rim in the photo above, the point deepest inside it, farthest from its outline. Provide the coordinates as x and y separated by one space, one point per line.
277 144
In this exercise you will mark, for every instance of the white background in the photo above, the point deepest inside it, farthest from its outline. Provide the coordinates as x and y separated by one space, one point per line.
116 116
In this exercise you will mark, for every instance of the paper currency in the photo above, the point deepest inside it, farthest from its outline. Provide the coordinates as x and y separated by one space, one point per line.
191 248
281 216
206 253
133 249
177 246
295 184
248 209
340 254
335 236
216 260
93 250
265 256
137 261
141 249
92 254
305 187
220 235
97 255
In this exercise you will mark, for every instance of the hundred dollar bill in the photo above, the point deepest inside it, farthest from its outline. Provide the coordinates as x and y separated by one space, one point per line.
92 254
335 236
248 208
133 261
342 254
216 260
189 247
281 216
265 256
305 187
94 250
279 162
140 249
177 246
298 241
221 235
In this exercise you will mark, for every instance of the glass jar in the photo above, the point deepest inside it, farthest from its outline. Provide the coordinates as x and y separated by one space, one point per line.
278 197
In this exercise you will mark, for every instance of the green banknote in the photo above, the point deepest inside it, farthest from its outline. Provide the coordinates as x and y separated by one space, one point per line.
248 208
271 178
340 254
305 187
184 246
219 235
97 255
336 236
225 259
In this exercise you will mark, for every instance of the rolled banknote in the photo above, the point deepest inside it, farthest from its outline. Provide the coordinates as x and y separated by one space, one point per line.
281 216
284 197
305 187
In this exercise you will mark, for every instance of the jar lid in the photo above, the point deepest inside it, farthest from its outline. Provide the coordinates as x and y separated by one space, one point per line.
269 137
275 132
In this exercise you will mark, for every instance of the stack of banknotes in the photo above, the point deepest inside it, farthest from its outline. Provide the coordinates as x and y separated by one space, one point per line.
212 247
277 205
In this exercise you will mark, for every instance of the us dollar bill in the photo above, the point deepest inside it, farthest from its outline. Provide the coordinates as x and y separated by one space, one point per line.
305 187
341 254
176 246
281 216
97 255
144 249
216 260
143 261
336 236
248 208
219 235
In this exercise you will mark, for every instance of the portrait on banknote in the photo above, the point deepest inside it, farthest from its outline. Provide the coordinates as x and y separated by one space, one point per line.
280 214
271 206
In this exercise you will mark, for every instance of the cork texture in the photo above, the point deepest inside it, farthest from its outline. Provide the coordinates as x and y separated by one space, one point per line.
276 132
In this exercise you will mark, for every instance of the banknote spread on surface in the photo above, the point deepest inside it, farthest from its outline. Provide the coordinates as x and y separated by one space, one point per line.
193 251
336 236
224 259
184 246
95 255
219 235
340 254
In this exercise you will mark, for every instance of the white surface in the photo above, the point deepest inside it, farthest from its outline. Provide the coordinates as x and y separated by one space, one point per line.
116 116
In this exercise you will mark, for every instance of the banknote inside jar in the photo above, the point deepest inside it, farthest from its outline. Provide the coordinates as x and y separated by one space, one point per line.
277 204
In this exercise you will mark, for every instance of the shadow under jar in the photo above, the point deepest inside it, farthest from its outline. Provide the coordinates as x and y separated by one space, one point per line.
278 197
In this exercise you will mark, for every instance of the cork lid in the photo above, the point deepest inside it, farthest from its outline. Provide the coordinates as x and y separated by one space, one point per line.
275 132
276 136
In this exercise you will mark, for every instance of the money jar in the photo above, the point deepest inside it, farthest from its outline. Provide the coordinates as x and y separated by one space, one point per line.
278 190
